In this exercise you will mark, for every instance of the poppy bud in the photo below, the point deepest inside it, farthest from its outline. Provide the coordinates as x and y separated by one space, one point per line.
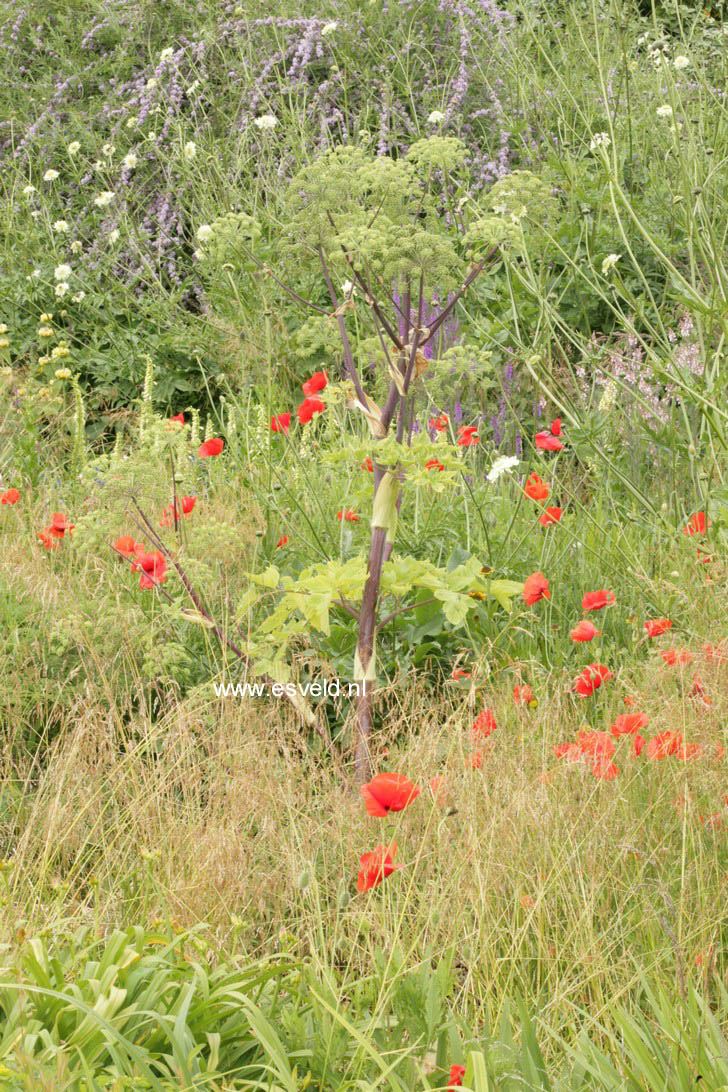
303 880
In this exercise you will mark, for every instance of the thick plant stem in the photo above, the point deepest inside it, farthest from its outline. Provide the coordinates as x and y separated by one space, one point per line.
365 653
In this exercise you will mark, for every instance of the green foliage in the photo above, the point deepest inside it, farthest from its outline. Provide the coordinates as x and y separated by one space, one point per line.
666 1045
143 1010
140 1008
305 603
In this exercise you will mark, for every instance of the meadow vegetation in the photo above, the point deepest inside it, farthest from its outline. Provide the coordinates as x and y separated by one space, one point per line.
382 344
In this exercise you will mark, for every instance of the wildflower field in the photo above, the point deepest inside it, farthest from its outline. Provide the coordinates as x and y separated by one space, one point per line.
364 545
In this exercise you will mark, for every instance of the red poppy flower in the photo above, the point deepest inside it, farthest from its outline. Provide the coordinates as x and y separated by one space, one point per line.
282 541
696 525
308 408
210 448
281 423
348 514
434 464
48 541
665 744
10 496
638 743
550 515
585 631
127 546
595 600
474 760
536 488
688 751
714 653
468 436
546 442
376 866
556 426
457 1072
179 418
440 422
629 724
368 465
674 656
169 513
536 587
596 744
460 673
655 627
316 383
153 568
388 792
604 769
484 724
58 527
697 690
523 694
590 679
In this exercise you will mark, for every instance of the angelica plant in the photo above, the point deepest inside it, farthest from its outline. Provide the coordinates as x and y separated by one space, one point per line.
387 239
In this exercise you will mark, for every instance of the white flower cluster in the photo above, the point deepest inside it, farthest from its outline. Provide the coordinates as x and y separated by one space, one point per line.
599 140
501 465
